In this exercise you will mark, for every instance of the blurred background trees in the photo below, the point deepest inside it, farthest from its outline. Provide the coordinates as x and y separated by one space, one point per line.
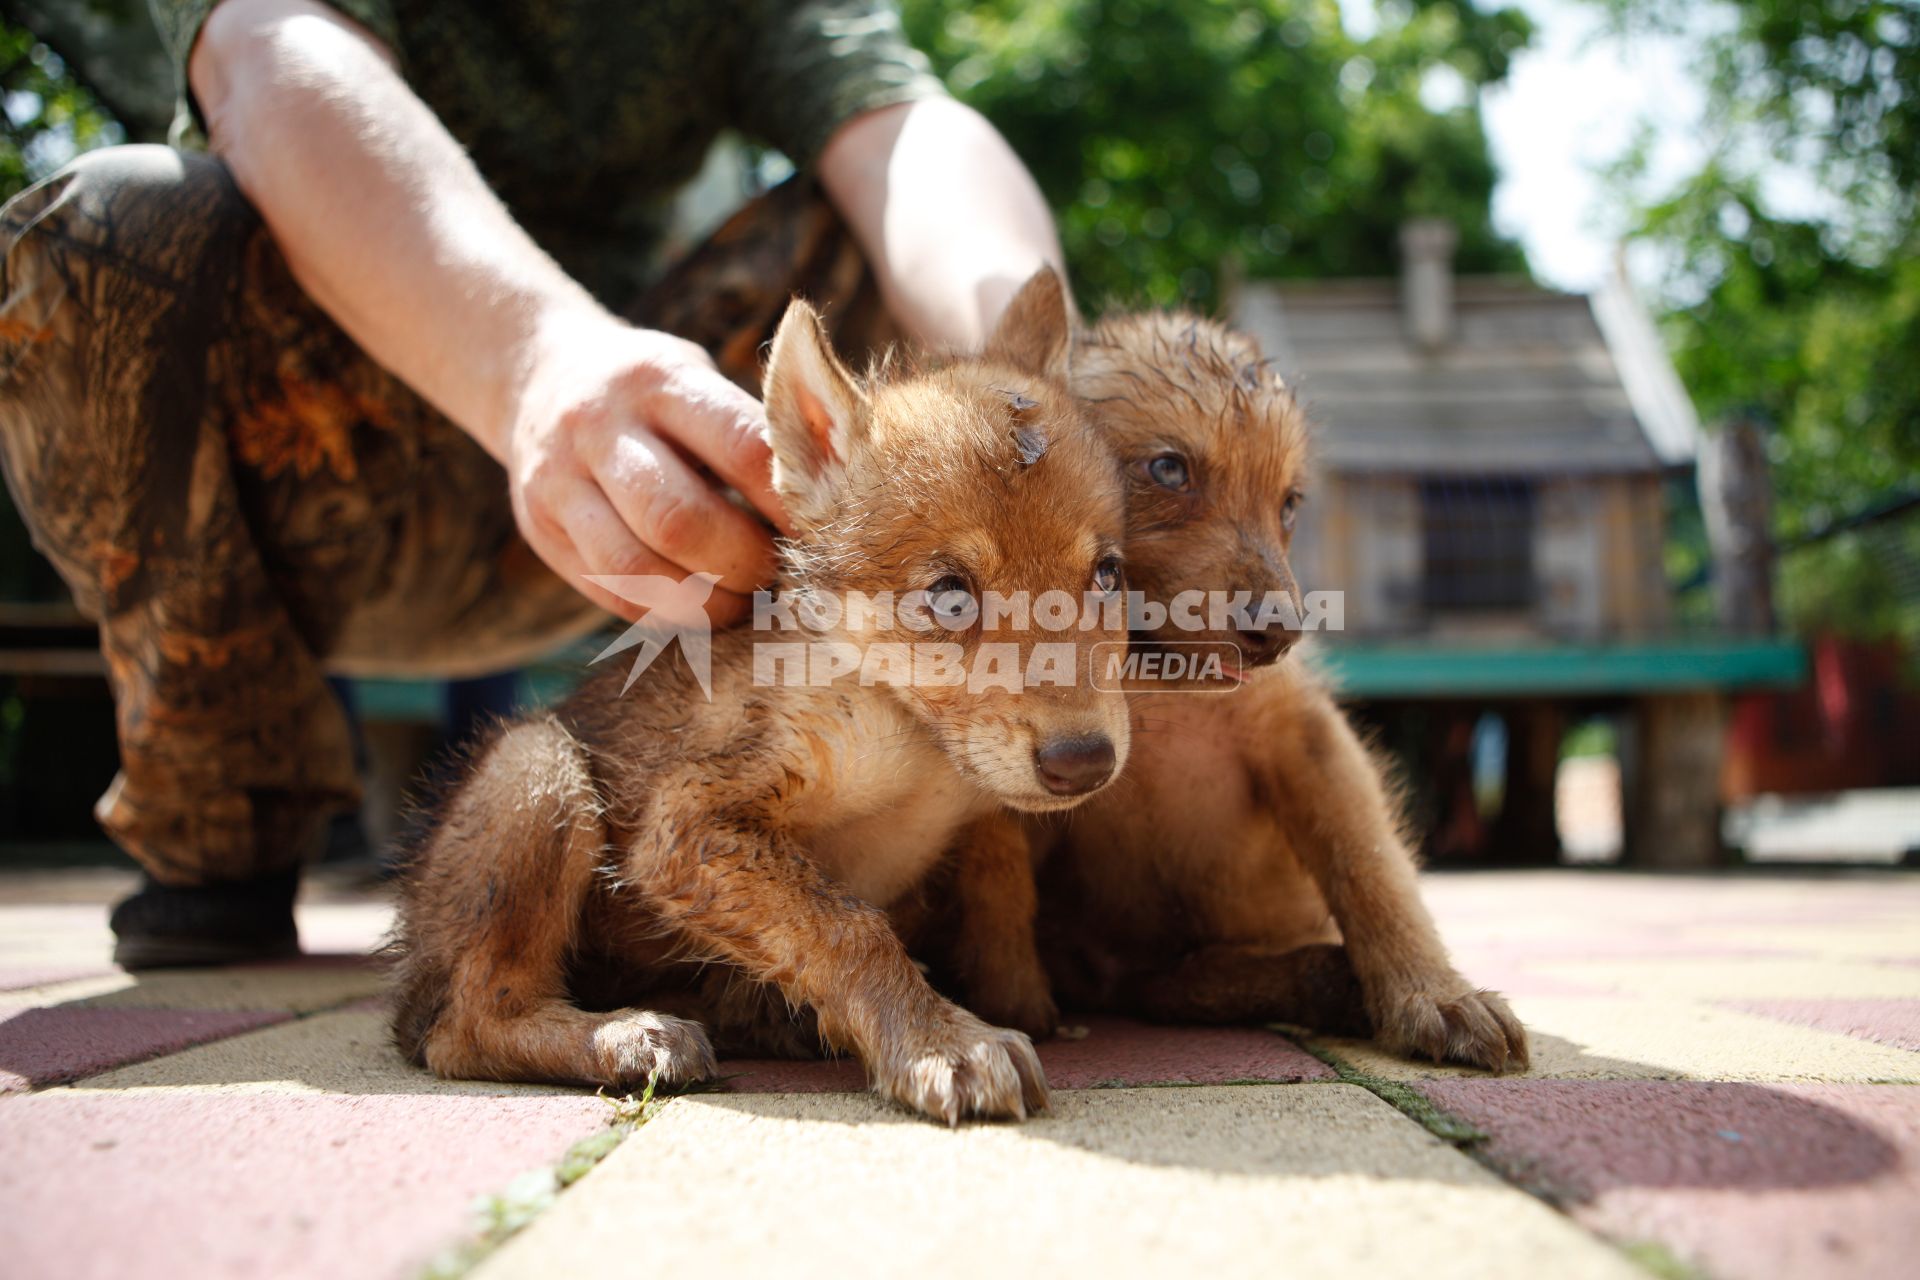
1790 272
1183 141
1175 138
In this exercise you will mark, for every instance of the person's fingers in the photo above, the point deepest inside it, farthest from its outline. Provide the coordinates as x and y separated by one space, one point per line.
678 515
606 547
556 550
725 428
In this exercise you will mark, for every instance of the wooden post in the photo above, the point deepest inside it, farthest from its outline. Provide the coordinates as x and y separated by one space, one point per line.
1670 756
1736 500
1526 833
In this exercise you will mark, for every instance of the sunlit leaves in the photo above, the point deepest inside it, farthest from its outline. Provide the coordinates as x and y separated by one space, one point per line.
1174 137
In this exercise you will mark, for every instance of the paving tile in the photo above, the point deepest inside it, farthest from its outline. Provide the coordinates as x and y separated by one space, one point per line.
17 977
1740 1180
1118 1052
65 886
1212 1181
1624 1039
189 1184
44 943
294 986
1894 1022
1114 1052
336 1053
1874 940
49 1046
1604 903
1565 964
1754 979
344 927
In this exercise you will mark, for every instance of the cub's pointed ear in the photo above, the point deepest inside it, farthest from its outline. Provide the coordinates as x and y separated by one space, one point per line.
1036 332
816 413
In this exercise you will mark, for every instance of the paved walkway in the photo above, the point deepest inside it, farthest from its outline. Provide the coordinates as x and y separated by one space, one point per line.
1723 1086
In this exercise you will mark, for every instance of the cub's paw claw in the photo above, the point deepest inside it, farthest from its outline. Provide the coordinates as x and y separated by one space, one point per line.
1465 1026
963 1069
635 1045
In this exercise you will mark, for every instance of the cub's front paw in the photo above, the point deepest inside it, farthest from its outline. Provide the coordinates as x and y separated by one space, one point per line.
634 1045
1452 1023
956 1067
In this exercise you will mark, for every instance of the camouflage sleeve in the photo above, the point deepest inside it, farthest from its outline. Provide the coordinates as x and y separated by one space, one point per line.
812 65
180 21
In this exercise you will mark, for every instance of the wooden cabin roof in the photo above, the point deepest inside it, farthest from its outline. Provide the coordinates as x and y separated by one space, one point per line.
1527 381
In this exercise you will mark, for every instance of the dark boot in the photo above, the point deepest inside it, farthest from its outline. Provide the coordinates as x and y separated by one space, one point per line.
226 922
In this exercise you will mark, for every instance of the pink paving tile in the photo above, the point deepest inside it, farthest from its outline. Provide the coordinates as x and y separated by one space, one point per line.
1525 968
259 1186
1118 1052
1114 1052
779 1075
52 1045
1894 1022
1512 976
1756 1181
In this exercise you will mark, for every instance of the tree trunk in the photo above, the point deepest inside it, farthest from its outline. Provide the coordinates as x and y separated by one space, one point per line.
1736 498
1670 757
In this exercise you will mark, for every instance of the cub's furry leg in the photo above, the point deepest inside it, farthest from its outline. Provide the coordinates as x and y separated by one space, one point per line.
1341 826
492 907
994 955
743 892
743 1018
1312 986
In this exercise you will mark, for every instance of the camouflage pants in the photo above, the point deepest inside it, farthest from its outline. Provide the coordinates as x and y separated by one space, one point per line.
243 500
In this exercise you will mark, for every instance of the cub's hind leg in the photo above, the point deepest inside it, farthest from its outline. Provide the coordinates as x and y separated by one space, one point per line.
995 955
488 919
1312 986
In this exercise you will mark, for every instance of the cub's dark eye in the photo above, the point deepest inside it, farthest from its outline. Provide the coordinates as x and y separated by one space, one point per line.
950 597
1107 576
1290 510
1169 471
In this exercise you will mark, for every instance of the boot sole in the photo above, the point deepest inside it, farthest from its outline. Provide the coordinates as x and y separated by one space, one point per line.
159 952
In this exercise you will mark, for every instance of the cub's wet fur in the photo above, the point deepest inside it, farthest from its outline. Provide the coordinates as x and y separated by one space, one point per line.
609 867
1251 867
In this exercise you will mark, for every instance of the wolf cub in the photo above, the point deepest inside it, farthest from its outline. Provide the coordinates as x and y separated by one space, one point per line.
605 867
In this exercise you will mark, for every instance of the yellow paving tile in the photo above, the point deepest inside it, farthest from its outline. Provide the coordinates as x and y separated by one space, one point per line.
1594 1038
1744 979
1216 1182
334 1053
1863 942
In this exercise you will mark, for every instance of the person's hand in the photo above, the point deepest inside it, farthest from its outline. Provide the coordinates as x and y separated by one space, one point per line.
612 454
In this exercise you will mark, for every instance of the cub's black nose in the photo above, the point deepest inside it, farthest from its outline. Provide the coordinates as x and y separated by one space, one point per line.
1265 645
1074 766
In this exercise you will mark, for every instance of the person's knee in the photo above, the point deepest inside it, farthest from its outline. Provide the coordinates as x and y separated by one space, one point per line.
133 201
113 274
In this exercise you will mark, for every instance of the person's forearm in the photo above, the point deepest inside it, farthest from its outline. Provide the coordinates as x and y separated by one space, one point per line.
950 219
382 218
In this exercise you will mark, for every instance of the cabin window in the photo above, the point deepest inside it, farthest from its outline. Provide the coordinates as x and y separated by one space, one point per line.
1478 532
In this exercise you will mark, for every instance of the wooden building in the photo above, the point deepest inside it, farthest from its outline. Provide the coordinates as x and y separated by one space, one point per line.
1493 468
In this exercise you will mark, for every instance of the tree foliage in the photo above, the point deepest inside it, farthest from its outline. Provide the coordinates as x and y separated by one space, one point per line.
48 114
1171 138
1807 318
